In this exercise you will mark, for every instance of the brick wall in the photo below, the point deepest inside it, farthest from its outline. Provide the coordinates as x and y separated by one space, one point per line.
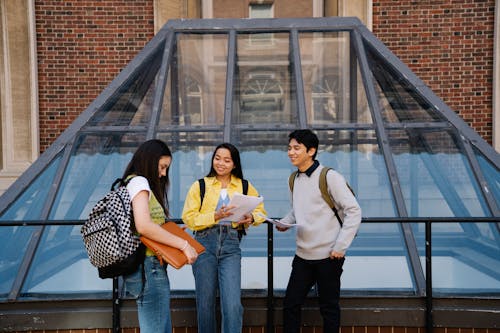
81 46
449 45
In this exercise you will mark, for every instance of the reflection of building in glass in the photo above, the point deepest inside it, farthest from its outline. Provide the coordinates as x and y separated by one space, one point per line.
406 154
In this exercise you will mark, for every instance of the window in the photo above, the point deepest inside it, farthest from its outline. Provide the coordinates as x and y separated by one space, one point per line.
262 11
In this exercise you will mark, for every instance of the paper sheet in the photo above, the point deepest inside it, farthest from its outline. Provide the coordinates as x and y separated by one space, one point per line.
243 204
276 222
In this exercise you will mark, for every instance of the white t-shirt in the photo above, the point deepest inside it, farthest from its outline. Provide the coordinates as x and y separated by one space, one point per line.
136 185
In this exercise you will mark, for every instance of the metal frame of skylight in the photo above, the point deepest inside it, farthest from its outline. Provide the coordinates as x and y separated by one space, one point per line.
166 38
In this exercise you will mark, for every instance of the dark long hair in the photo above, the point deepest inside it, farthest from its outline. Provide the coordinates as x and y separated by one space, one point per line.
235 156
145 163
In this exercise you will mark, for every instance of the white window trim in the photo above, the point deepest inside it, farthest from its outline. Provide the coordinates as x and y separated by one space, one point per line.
13 167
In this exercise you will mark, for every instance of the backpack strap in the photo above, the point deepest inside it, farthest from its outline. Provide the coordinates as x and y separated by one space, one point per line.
201 182
202 190
244 184
291 180
323 186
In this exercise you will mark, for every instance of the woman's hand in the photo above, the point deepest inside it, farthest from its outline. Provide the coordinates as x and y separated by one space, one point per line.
247 219
223 212
190 253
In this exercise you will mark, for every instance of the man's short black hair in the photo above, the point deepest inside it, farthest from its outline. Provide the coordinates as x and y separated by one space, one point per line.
307 138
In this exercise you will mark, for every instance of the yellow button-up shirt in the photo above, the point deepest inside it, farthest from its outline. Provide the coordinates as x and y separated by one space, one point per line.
197 218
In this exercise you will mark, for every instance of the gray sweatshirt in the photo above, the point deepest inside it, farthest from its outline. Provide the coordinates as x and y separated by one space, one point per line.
318 231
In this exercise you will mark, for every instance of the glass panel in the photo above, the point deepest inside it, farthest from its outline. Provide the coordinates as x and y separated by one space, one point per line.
378 251
356 155
264 86
399 100
61 267
199 75
96 161
333 88
464 261
14 242
191 161
434 174
192 152
491 175
30 204
132 103
265 163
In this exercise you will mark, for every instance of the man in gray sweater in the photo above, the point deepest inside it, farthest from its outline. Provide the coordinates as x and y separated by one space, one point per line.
322 239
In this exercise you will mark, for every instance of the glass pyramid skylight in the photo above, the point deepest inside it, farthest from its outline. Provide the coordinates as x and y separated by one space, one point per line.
198 83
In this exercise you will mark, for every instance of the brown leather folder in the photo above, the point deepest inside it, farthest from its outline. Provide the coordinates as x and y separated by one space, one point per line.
171 255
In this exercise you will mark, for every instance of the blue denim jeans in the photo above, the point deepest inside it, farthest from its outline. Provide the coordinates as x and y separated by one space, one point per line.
219 268
152 297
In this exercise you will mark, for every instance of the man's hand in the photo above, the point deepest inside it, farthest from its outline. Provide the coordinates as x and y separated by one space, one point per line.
336 255
281 229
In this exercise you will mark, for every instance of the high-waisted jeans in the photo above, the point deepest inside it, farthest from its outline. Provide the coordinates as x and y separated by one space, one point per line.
219 268
153 297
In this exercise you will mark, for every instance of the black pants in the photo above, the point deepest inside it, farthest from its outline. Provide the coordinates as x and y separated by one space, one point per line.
305 273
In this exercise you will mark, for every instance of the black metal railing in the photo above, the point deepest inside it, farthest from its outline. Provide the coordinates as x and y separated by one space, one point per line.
429 221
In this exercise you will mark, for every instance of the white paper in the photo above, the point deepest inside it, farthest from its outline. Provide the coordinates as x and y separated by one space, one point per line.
277 223
243 204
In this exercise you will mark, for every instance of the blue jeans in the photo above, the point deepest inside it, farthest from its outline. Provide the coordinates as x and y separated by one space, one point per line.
152 297
218 268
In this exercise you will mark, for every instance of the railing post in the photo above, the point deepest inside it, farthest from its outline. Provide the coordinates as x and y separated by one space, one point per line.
116 306
428 277
270 285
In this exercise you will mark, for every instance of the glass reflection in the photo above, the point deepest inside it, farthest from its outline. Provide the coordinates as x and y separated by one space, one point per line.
333 89
356 155
491 175
61 266
15 240
264 85
31 202
96 161
464 261
435 176
198 71
191 161
399 100
377 252
132 103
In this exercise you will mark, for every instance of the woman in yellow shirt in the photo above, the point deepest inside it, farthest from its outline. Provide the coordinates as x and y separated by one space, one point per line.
220 266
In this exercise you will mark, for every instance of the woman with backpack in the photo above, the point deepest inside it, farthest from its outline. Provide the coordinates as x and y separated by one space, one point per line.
147 176
207 213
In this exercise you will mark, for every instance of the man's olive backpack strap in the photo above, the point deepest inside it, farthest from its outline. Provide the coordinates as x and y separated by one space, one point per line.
244 183
323 187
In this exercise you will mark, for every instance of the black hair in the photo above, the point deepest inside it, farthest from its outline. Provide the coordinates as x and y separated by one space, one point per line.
235 156
145 163
305 137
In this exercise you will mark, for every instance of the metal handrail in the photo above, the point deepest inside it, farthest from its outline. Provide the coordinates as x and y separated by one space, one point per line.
270 296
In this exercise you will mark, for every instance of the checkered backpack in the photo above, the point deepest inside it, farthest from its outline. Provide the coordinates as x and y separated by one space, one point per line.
109 234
